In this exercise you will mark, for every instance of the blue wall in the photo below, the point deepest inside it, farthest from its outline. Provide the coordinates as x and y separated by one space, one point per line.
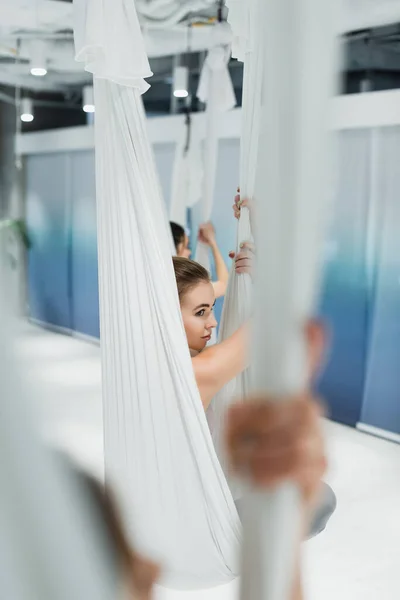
61 218
361 379
48 217
381 401
344 298
84 279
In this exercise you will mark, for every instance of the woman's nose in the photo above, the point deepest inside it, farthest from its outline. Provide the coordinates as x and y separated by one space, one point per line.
212 323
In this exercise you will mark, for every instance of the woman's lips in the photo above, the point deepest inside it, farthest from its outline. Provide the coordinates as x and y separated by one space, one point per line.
206 337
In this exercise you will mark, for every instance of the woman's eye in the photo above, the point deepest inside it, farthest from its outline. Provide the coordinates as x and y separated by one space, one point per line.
201 313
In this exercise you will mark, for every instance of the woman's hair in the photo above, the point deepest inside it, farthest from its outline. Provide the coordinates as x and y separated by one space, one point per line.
138 571
178 233
188 274
104 501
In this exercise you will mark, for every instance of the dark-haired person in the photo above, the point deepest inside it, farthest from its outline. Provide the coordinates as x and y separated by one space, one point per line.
206 236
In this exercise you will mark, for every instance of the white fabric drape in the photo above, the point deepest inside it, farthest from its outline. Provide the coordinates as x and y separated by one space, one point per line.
187 173
216 91
291 190
239 20
238 298
158 449
106 38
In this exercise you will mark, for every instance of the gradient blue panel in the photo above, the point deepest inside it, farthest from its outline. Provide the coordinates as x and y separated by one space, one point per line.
381 405
48 218
344 301
84 273
344 309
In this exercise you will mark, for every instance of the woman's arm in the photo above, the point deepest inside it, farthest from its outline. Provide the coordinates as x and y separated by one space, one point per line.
221 269
218 364
207 236
297 593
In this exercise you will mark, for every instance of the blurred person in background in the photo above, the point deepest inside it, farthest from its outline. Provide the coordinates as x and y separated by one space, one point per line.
206 236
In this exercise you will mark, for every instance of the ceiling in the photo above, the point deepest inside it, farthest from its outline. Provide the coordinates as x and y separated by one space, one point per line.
21 21
164 25
167 34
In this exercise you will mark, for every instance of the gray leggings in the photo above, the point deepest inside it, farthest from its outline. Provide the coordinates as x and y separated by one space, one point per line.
323 512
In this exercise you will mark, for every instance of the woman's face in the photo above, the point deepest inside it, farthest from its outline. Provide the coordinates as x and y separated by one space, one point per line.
183 249
198 317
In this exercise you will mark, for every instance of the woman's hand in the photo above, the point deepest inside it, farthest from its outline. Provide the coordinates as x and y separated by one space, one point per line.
207 234
244 260
144 575
273 441
240 203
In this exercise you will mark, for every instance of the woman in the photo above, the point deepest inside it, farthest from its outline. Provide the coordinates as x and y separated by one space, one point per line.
206 236
215 366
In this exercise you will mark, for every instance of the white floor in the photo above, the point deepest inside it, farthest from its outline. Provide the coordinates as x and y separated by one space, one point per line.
357 558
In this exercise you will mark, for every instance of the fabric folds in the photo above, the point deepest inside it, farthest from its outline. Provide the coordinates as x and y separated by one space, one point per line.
159 453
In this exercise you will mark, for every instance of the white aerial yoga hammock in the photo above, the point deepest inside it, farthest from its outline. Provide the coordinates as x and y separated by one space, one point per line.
216 91
193 175
154 422
187 174
298 76
49 547
238 302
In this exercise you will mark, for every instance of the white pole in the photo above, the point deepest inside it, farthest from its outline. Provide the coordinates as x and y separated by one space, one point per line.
291 192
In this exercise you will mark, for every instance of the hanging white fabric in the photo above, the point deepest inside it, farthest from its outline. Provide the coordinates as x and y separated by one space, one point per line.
239 19
291 191
216 91
187 175
158 449
238 298
49 547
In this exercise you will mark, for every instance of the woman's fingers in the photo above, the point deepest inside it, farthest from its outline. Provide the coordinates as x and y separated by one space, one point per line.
273 441
245 258
239 203
316 336
144 575
243 266
248 246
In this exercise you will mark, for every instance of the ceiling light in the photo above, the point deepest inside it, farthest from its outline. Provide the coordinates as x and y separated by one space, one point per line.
38 58
27 110
181 79
88 99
